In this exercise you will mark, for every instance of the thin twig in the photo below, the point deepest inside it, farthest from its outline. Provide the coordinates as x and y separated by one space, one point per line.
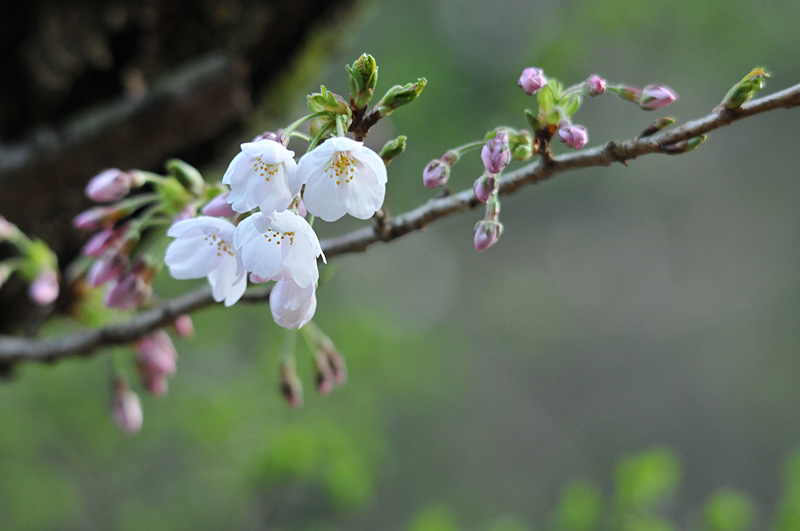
48 350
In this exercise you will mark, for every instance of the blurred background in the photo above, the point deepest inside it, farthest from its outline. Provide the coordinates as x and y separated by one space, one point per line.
625 357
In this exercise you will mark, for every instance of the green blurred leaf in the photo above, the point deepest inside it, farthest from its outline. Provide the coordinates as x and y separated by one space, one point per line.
729 510
647 479
434 518
580 509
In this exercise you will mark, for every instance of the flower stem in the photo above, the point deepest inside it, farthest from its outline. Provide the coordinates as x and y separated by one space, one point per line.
294 125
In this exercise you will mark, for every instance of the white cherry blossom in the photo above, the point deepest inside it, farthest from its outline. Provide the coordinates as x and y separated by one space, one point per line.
203 247
280 245
264 174
292 306
342 177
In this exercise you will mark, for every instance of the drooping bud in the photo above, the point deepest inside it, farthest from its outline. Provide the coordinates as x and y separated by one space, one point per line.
495 153
484 187
400 95
132 289
101 242
435 174
363 78
487 232
219 207
184 326
658 125
126 408
96 218
109 185
655 97
290 385
44 289
744 89
393 148
574 136
323 374
532 80
110 267
156 354
594 86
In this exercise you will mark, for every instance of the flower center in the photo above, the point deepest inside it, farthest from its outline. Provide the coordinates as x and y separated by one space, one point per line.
278 237
266 170
341 167
221 245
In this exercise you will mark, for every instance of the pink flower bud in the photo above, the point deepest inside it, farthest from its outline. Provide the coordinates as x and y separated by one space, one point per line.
324 374
531 80
100 243
184 326
155 384
495 153
156 355
109 185
126 408
44 289
435 174
94 219
487 232
130 290
110 267
655 97
219 207
484 187
574 136
594 86
277 136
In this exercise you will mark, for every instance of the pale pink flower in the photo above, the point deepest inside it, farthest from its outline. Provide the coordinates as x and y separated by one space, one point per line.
279 246
203 247
342 176
292 306
655 97
263 175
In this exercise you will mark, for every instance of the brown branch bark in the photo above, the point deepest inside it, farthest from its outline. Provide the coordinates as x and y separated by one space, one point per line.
14 350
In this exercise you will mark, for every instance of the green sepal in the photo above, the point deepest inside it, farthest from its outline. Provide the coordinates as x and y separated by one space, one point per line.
187 174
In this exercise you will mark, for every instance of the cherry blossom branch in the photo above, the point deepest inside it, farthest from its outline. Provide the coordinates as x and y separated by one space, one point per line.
86 342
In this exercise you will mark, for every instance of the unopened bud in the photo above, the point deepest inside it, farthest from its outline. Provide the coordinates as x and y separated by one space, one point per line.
291 387
276 136
484 187
109 185
132 289
187 174
219 207
625 92
400 95
126 408
393 148
44 289
658 125
327 101
574 136
594 86
531 80
684 146
495 153
323 374
184 326
110 267
744 89
96 218
156 354
655 97
435 174
101 242
487 232
363 78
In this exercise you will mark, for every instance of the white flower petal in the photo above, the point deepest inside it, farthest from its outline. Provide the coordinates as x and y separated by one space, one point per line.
292 306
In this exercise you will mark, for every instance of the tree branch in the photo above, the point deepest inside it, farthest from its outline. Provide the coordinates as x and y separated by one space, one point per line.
48 350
